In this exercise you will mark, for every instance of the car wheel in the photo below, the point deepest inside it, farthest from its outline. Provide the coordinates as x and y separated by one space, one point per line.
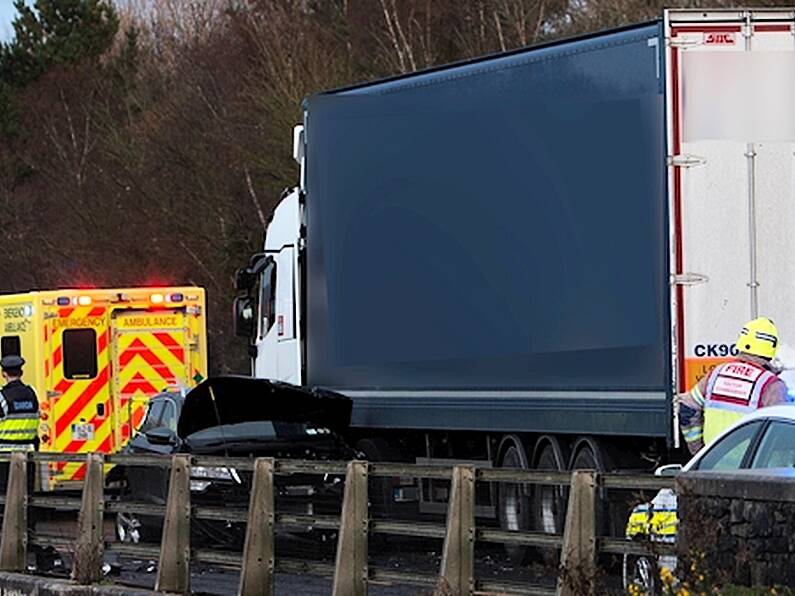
129 528
641 572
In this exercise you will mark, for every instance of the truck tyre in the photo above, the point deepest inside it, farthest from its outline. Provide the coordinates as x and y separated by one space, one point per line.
513 500
585 458
589 455
549 502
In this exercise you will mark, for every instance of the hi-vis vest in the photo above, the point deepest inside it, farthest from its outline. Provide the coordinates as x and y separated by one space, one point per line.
733 390
18 428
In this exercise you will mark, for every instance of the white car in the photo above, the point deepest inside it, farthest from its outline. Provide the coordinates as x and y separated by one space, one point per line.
764 439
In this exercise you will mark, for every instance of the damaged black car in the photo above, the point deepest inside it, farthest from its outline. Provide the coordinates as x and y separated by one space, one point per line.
235 417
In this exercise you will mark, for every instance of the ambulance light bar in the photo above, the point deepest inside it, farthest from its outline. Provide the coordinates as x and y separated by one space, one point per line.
76 301
168 298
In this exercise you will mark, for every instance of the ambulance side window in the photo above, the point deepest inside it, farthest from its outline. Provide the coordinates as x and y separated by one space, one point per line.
10 346
80 353
267 299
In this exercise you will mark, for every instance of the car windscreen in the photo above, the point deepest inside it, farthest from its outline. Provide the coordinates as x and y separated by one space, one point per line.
260 430
777 447
729 452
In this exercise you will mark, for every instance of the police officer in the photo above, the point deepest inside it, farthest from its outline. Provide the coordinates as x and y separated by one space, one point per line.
19 417
19 424
735 388
19 409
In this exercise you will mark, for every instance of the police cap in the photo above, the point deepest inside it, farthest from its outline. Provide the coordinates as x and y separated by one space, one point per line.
11 362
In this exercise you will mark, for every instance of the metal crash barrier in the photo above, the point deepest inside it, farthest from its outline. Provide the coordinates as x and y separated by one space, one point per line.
579 545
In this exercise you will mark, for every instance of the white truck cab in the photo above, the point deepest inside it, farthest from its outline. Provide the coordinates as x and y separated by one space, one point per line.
267 307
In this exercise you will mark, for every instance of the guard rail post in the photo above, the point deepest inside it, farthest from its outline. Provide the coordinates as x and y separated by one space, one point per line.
256 575
350 569
173 569
14 541
578 555
458 555
90 547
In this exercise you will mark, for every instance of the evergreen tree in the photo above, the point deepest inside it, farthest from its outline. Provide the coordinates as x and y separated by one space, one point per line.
56 32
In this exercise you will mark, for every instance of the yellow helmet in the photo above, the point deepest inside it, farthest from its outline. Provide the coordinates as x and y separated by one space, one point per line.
759 338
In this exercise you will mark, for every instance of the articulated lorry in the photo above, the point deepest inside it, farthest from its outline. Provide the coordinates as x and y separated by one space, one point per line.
519 260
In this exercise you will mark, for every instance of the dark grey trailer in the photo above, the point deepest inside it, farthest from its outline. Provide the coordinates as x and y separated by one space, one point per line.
488 244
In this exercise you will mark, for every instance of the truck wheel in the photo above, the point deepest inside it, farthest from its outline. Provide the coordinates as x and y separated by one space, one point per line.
589 456
585 459
549 502
513 502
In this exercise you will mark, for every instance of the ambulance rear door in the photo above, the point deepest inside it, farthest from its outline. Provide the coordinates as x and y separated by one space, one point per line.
152 351
77 372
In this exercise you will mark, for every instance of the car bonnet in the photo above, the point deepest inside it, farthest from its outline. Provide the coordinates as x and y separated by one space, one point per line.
235 399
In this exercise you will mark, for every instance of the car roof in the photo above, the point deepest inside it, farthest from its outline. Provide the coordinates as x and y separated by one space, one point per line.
764 472
786 411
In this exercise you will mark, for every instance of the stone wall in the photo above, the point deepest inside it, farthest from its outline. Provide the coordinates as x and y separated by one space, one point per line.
738 528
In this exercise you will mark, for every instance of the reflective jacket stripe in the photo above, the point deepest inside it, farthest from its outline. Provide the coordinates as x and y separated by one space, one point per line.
16 447
19 427
695 392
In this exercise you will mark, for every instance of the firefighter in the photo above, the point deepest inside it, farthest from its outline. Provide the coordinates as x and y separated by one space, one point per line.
734 388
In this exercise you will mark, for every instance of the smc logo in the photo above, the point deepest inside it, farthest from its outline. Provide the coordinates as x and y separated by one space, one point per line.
721 39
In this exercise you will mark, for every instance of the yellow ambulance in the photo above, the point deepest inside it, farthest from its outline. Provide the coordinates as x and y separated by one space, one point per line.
96 356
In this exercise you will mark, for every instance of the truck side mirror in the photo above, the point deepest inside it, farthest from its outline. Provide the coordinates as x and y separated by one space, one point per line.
244 279
245 316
